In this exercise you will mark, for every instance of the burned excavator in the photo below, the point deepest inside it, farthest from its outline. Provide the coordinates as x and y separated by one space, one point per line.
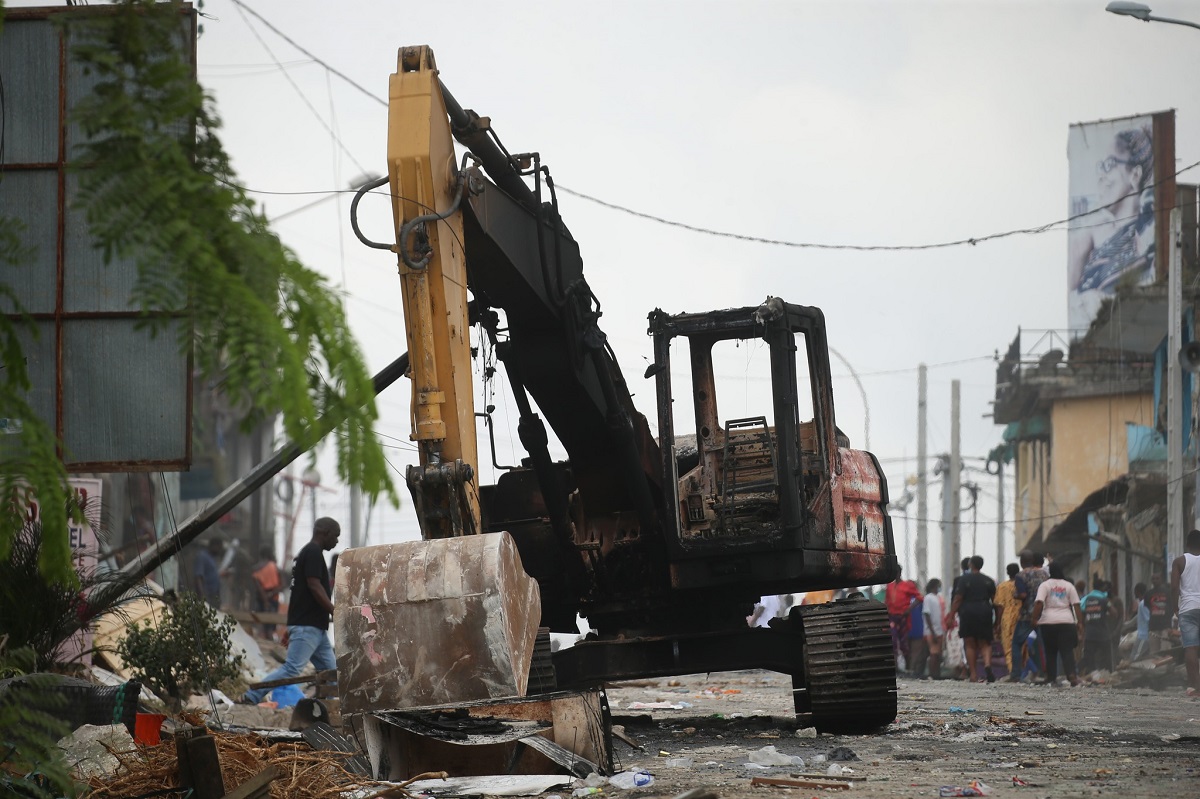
663 544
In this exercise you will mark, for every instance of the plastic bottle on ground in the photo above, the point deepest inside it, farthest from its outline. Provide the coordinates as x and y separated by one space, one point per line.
631 779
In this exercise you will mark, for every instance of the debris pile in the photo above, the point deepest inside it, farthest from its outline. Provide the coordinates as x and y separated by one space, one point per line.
301 771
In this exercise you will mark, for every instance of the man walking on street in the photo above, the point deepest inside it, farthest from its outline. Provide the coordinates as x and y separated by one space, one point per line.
932 612
1098 613
1185 596
308 610
1025 588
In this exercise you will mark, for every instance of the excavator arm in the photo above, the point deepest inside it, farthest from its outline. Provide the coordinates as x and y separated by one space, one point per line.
427 188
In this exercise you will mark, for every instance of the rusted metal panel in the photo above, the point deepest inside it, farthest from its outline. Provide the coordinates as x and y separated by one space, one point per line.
575 721
433 622
862 528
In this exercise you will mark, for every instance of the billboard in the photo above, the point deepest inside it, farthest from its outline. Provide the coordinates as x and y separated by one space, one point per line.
1121 188
117 395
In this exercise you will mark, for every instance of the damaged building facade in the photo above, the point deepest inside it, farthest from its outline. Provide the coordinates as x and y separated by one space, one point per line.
1085 426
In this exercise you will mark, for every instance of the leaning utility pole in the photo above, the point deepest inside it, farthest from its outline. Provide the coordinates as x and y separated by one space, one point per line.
922 553
1000 521
954 545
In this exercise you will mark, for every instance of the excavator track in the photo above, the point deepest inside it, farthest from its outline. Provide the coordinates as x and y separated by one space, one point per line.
849 679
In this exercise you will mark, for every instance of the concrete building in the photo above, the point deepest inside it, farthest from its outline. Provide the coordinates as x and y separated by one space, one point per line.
1084 427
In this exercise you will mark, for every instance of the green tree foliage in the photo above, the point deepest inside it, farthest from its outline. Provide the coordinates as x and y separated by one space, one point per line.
159 188
187 651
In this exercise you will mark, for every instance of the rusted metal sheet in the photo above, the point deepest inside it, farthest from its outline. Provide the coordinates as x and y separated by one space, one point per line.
433 622
862 528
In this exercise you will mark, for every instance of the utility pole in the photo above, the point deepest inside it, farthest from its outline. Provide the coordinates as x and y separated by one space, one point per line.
955 477
1000 520
948 570
922 553
1174 400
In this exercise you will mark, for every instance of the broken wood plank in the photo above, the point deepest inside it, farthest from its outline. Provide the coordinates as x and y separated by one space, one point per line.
205 766
322 677
257 616
576 764
819 784
256 787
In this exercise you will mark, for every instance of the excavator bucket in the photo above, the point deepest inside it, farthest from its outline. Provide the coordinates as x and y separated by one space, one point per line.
433 622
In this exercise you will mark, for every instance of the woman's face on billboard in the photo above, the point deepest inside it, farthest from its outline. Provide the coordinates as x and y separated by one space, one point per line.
1116 177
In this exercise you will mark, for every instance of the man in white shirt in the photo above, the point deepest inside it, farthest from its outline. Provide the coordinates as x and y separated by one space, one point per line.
1185 596
932 611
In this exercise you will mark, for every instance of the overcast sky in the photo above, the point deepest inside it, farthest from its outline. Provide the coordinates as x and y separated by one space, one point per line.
849 123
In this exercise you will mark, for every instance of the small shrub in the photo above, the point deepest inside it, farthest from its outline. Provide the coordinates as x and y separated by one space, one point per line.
187 652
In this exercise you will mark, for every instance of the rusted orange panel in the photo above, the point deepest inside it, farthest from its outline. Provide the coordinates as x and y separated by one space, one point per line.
433 622
862 525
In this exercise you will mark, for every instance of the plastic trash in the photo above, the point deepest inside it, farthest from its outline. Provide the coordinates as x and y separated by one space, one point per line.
807 732
768 756
588 791
957 709
679 762
287 695
836 770
639 778
819 759
593 780
972 788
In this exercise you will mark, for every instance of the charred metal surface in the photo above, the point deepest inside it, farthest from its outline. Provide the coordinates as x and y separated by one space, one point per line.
592 662
848 682
444 486
426 623
839 656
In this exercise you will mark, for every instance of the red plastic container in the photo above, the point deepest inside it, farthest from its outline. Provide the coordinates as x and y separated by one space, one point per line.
146 728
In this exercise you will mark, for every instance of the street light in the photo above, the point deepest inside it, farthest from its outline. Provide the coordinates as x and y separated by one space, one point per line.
1142 12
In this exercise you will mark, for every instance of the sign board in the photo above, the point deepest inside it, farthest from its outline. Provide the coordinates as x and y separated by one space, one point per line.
85 547
1122 184
118 397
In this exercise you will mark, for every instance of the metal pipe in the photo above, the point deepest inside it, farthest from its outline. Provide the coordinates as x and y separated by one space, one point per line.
165 549
464 124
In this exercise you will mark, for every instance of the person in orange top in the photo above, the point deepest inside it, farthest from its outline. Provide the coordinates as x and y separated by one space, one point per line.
1008 609
268 581
899 598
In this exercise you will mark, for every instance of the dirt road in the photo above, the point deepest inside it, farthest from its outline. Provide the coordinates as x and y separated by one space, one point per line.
1061 742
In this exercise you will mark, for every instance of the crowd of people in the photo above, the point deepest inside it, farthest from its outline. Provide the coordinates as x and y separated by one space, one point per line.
1050 629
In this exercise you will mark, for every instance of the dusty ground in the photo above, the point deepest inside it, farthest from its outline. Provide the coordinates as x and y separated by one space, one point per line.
1087 741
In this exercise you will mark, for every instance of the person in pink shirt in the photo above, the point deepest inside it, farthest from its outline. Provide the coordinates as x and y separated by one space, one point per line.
1059 623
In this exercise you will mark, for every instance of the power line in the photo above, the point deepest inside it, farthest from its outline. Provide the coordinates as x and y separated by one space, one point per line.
1044 228
299 91
972 241
242 6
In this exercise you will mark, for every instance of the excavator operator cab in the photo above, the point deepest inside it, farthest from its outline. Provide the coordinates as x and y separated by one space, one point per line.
739 450
753 459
